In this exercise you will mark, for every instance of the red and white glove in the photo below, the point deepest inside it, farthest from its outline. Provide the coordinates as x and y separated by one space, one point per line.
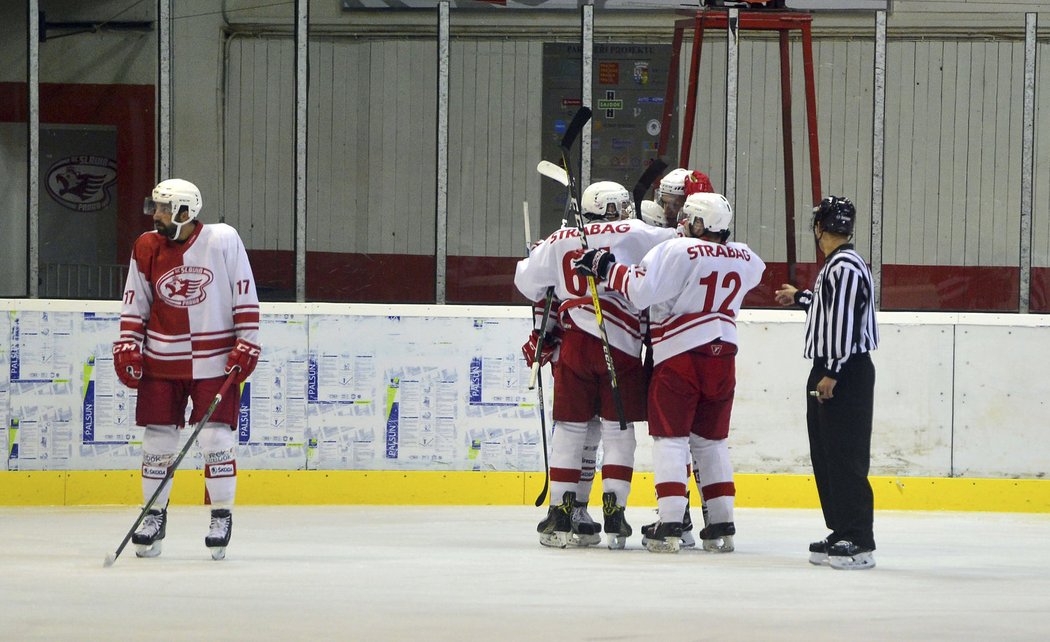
549 353
127 361
244 357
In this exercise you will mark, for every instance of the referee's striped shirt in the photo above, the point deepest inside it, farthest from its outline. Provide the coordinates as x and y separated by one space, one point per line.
840 311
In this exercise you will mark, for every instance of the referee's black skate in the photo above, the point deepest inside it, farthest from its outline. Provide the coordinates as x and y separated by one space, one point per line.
556 528
844 555
718 538
665 537
219 532
818 552
147 539
617 530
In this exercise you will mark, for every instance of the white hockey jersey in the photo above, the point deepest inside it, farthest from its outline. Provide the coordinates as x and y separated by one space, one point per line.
693 289
187 303
550 264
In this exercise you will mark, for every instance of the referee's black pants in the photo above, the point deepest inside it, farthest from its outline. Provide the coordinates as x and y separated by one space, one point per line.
840 448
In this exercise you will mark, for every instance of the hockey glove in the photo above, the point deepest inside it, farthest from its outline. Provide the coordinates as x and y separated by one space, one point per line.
244 357
127 361
594 263
549 352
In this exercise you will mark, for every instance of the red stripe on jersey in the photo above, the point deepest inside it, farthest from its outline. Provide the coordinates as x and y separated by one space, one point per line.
567 475
671 489
618 278
721 489
612 471
684 322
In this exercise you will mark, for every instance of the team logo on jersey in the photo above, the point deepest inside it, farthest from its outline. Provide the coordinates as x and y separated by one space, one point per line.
82 183
184 285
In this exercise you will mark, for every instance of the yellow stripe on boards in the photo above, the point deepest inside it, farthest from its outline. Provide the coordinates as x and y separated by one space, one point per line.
383 487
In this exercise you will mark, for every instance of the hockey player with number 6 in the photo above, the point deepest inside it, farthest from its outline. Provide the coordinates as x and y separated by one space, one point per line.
694 287
190 317
581 380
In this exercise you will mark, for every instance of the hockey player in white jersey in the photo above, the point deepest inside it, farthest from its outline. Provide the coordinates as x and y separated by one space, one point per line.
671 192
190 316
694 287
581 381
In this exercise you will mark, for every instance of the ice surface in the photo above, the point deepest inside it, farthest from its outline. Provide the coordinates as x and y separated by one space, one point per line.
478 573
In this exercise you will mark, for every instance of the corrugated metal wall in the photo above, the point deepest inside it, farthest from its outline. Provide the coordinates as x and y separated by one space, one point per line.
953 141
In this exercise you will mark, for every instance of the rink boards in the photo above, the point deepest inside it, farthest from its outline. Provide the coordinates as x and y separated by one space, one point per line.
429 404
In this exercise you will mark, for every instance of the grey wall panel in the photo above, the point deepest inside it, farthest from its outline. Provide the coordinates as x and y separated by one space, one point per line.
953 152
494 144
259 142
1041 178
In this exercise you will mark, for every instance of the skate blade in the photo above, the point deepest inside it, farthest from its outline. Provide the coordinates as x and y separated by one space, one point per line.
818 559
583 541
217 552
617 542
669 545
147 550
858 562
719 545
557 539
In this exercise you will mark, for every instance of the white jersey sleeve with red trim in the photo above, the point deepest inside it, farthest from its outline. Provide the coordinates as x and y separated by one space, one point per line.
188 303
693 289
550 264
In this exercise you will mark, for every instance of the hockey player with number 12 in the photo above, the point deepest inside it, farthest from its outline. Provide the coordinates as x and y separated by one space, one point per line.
190 317
694 287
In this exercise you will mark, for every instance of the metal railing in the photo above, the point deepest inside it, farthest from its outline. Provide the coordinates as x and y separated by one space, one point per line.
82 281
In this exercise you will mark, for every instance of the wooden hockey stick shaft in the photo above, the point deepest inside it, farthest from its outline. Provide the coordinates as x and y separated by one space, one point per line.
578 122
534 380
112 557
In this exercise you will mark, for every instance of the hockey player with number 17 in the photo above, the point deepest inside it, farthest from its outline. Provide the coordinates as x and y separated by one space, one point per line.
694 287
190 317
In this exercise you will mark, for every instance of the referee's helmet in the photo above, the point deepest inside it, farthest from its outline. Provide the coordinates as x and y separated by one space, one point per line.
835 214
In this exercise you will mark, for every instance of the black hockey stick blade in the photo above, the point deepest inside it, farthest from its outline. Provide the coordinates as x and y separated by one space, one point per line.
645 181
583 114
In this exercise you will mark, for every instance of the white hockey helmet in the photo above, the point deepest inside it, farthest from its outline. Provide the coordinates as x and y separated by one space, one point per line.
175 194
673 184
713 210
653 214
607 200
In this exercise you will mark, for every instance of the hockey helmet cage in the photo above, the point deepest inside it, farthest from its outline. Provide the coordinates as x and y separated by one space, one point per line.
607 200
713 209
835 214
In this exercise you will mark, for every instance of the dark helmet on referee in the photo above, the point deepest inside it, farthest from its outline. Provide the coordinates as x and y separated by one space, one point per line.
835 214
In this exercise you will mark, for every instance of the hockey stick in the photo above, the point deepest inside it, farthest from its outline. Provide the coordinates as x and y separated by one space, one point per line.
645 181
578 121
112 557
533 380
550 170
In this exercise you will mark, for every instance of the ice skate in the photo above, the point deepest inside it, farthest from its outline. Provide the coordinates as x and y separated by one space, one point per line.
665 537
718 538
585 531
556 529
688 541
150 534
818 552
219 533
847 556
617 530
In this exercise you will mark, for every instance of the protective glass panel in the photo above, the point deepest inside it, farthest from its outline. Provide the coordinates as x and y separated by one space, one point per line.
97 149
14 150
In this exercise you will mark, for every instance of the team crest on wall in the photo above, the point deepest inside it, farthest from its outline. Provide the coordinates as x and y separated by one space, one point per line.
82 183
